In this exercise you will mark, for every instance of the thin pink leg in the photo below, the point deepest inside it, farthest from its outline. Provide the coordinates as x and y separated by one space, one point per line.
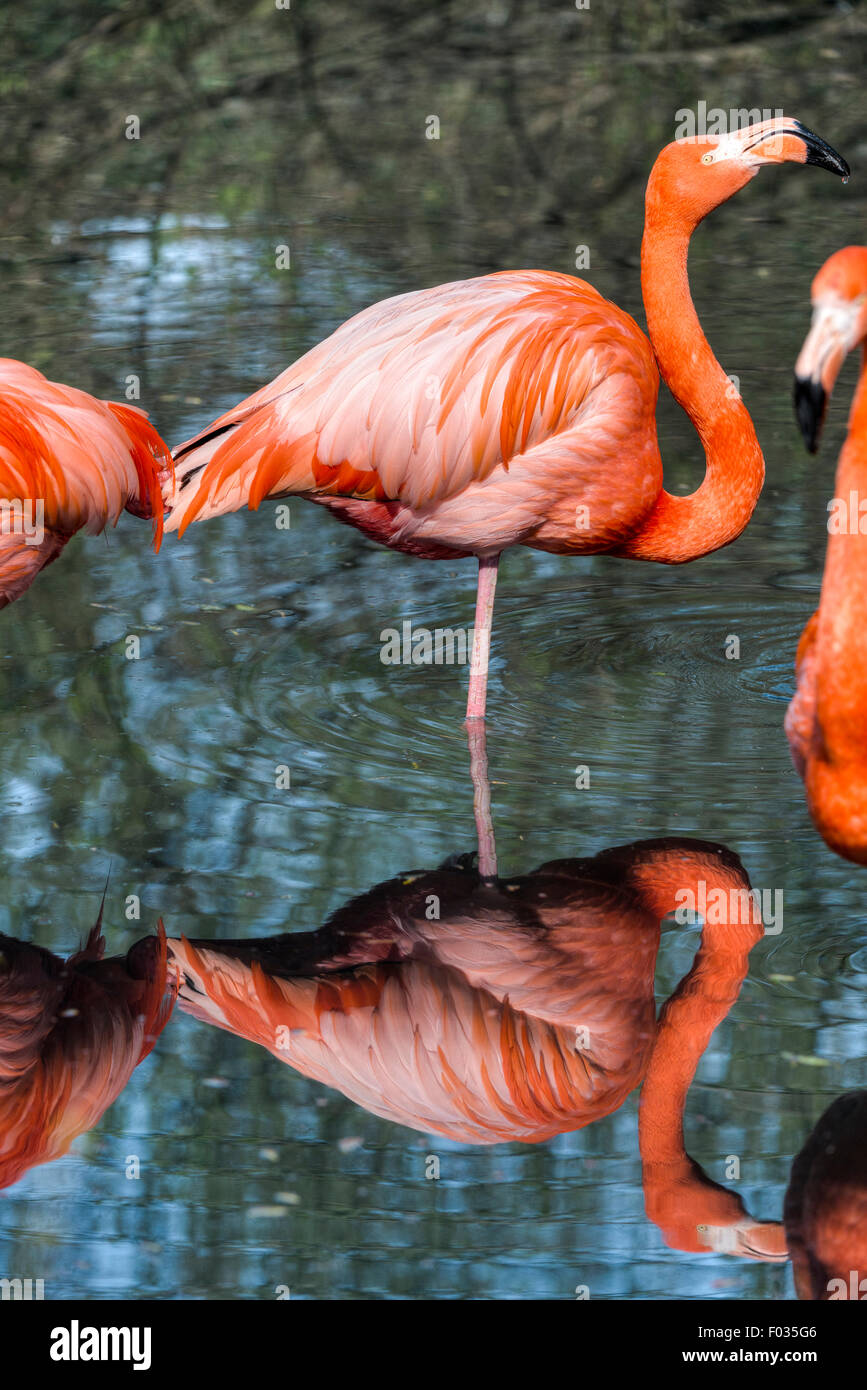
482 798
482 636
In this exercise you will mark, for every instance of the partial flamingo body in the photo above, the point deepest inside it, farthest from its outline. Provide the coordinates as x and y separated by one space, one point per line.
71 1034
525 1008
465 1025
514 409
826 1205
68 463
826 722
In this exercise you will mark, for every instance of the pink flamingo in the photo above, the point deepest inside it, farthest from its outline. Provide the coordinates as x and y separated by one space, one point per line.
826 722
520 1009
71 1034
68 463
523 1011
513 409
826 1205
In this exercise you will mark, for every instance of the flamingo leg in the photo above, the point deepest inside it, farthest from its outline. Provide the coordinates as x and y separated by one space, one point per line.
482 798
482 636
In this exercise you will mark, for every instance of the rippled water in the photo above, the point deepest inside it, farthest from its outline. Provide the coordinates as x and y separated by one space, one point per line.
260 649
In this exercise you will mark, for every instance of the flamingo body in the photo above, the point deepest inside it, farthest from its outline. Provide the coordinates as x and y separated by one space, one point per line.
457 420
523 1010
80 460
826 1205
826 722
71 1034
464 1026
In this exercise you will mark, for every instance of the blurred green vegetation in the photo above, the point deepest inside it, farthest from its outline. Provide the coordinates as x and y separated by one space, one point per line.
247 107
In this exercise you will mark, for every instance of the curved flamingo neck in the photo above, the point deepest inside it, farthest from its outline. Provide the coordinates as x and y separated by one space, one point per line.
687 1021
715 882
678 1195
682 528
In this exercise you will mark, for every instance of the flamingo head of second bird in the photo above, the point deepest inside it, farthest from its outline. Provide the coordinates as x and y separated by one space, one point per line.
839 297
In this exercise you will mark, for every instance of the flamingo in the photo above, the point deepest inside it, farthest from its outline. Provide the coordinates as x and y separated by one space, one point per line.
71 1034
524 1011
68 462
825 1209
519 1009
513 409
826 722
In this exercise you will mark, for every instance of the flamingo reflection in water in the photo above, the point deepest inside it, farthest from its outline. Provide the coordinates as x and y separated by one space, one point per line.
72 1033
826 1205
519 1009
491 1009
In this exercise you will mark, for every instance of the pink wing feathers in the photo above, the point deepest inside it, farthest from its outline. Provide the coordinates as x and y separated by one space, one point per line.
466 1025
85 459
71 1035
528 378
21 559
68 462
417 1044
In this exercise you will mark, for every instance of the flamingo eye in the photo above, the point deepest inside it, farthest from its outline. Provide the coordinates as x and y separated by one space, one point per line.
707 158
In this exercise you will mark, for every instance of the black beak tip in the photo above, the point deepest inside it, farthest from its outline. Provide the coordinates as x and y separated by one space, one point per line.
810 404
822 154
829 159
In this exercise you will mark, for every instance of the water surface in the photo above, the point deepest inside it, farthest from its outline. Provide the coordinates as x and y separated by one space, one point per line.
260 649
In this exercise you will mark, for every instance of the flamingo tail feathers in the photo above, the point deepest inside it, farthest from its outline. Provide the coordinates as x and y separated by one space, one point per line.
153 464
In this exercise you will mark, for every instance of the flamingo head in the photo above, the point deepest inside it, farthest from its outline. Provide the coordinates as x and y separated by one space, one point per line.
747 1239
839 297
694 174
696 1214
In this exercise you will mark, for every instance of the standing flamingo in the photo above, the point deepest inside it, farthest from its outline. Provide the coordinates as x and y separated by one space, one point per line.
826 722
513 409
68 462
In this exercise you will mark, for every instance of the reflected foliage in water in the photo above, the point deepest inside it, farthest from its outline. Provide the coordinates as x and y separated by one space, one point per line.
260 647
